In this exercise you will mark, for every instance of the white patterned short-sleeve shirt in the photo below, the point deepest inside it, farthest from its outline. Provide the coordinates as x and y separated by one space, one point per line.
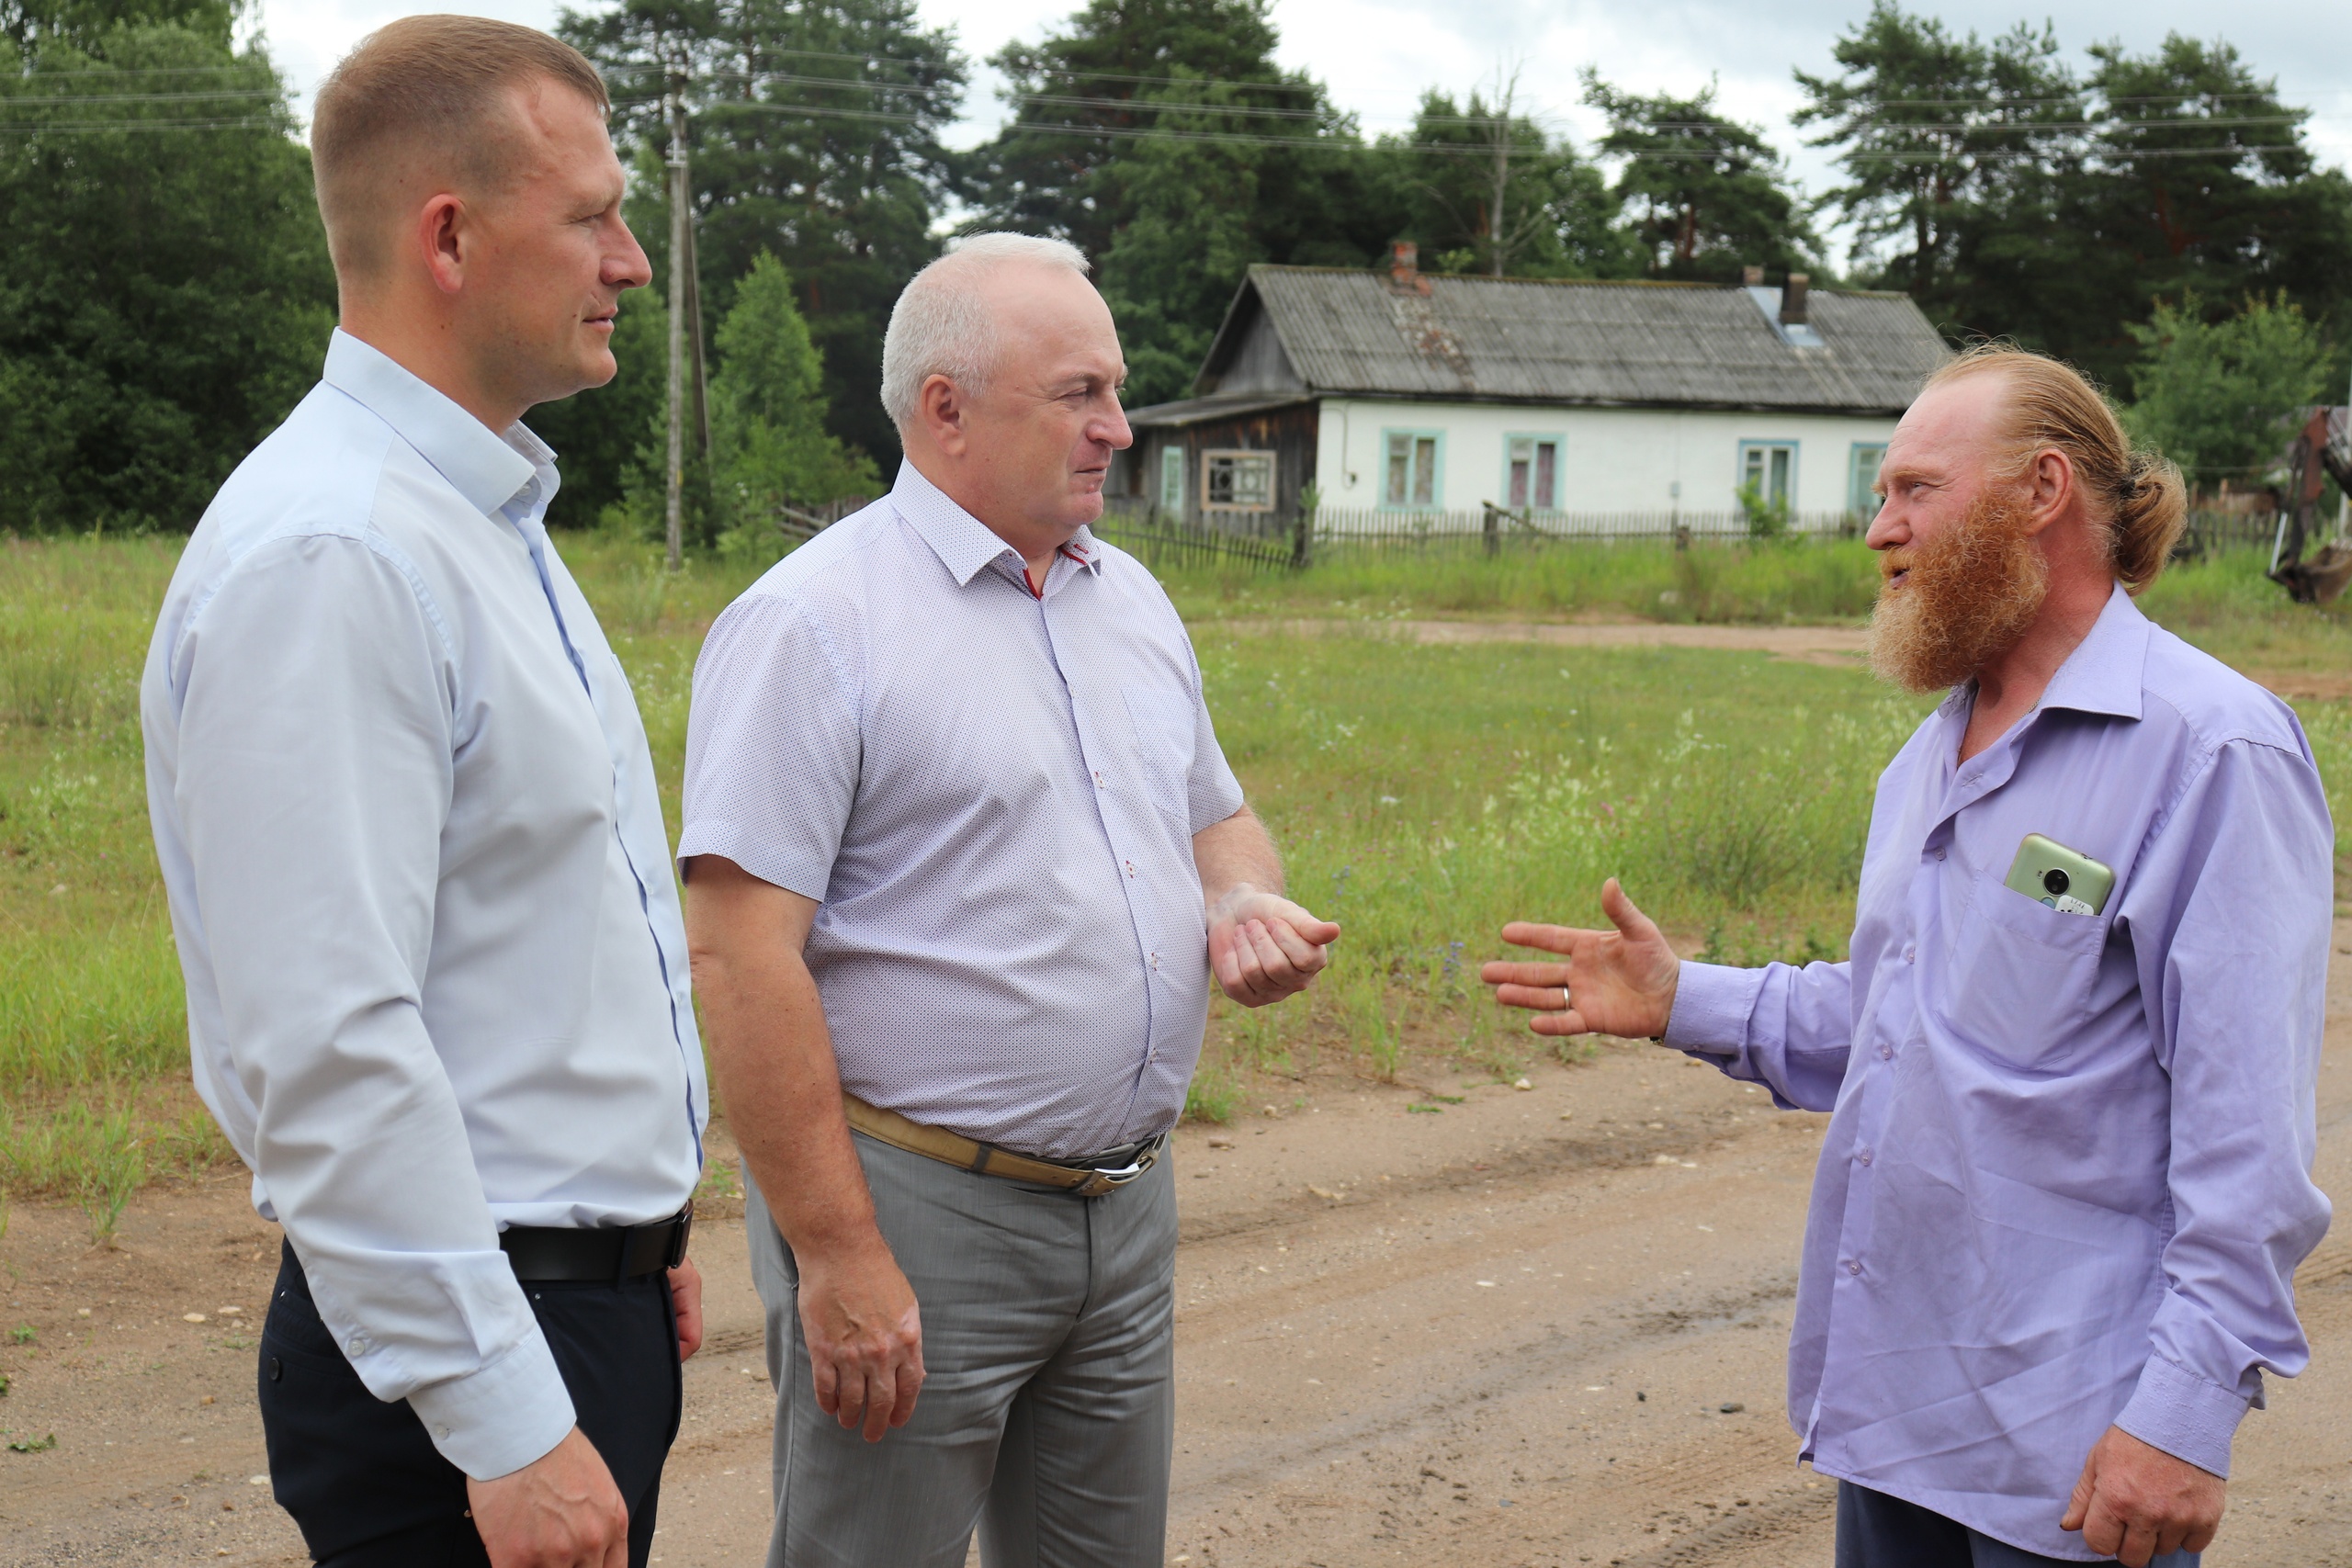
991 793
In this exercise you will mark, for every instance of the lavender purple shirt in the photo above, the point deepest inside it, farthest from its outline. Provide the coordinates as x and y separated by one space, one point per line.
2066 1180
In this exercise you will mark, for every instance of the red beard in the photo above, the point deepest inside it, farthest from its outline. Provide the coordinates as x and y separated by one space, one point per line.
1965 598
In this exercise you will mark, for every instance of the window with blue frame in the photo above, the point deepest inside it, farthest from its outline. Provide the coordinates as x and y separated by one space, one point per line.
1532 473
1862 499
1768 470
1410 476
1171 477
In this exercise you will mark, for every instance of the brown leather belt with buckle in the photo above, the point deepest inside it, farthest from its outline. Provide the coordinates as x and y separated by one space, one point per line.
610 1254
986 1159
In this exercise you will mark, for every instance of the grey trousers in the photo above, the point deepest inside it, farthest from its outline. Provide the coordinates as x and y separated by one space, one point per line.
1047 1415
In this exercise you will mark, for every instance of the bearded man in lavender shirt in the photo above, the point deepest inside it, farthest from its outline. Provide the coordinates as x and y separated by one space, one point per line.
2067 1180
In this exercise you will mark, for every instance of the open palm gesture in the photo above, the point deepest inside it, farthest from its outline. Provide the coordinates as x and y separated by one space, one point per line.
1613 981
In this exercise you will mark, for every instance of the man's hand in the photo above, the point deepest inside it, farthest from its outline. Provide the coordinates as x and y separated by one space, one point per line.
1262 947
560 1511
685 1300
2135 1502
864 1334
1619 982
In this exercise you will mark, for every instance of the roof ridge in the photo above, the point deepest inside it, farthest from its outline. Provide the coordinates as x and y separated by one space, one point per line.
1693 283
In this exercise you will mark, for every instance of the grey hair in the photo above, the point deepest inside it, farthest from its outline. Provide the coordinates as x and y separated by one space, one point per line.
941 326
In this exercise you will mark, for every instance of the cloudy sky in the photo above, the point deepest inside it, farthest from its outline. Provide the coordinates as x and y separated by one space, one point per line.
1378 55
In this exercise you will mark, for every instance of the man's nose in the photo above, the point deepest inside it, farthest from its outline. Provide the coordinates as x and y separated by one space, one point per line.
1885 532
1113 432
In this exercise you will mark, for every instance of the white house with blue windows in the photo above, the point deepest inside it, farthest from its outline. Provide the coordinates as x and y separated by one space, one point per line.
1397 395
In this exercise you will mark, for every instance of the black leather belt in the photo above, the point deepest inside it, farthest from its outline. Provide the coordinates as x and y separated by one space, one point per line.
613 1253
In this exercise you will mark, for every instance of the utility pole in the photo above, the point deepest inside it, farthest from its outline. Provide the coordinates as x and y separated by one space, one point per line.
1502 175
680 268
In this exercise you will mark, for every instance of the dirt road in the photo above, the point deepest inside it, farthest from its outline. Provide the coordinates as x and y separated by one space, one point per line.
1530 1327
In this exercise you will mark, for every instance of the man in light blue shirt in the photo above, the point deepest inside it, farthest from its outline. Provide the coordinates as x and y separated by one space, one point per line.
406 816
2072 1060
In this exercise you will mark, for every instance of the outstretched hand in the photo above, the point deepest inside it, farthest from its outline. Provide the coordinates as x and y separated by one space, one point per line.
1614 982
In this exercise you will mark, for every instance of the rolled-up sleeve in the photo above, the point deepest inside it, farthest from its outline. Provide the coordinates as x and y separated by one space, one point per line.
773 747
314 779
2230 917
1788 1028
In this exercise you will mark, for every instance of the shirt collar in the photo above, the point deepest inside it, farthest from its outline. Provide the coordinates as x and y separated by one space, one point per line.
489 470
2108 671
2104 675
963 543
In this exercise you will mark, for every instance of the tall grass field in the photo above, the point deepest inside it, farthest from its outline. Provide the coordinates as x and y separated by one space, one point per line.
1422 794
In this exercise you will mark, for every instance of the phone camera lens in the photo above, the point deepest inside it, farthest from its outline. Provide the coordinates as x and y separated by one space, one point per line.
2055 880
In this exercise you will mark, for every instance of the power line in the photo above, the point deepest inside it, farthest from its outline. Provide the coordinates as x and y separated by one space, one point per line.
1245 139
12 98
76 128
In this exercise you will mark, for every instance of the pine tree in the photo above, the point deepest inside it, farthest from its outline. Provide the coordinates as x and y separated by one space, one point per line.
1704 195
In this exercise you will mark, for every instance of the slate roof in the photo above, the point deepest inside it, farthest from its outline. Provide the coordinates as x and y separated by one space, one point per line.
1513 340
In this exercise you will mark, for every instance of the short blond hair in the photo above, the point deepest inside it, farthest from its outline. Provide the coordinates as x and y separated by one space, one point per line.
432 84
2137 494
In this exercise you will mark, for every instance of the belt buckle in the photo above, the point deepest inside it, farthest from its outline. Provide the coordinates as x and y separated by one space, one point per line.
684 1223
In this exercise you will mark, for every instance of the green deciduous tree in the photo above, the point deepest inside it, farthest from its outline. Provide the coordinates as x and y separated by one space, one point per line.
770 448
1704 195
2217 396
814 136
165 291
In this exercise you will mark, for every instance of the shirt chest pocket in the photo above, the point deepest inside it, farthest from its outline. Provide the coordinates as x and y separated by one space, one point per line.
2021 978
1161 717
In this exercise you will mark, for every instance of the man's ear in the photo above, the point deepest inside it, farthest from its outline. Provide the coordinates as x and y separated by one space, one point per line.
2051 491
441 239
941 407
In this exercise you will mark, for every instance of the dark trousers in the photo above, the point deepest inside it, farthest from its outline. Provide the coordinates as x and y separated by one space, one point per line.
365 1485
1875 1530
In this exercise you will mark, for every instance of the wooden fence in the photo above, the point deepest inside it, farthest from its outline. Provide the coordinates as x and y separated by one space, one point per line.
1159 540
1267 541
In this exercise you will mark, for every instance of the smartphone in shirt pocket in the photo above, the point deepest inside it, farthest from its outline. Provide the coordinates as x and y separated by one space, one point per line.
2059 878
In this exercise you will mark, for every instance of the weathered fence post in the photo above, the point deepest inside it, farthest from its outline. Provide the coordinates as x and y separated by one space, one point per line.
1491 526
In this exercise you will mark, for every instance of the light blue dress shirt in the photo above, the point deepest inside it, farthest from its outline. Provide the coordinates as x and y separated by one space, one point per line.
436 976
991 794
2066 1182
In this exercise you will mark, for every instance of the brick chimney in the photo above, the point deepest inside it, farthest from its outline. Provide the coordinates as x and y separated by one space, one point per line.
1751 277
1404 265
1792 299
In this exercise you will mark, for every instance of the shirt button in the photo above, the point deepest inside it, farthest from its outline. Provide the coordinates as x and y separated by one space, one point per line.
1155 960
1939 854
1910 953
1853 1266
1098 779
1886 1053
357 1346
1864 1153
1131 867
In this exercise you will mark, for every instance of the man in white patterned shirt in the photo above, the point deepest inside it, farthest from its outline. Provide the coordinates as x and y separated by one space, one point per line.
962 854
